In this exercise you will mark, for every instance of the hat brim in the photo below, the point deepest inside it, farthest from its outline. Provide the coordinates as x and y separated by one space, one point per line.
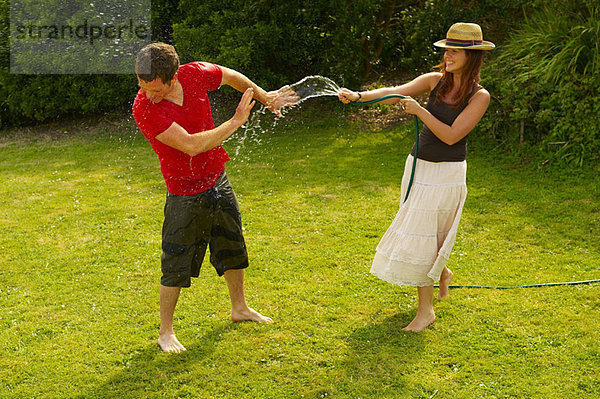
483 46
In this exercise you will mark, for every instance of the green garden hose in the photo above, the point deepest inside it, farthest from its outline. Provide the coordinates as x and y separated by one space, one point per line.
523 286
414 165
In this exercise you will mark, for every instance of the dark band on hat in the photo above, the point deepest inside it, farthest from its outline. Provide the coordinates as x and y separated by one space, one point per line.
463 43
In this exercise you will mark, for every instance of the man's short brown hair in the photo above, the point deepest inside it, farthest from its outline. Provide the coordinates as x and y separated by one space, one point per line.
157 60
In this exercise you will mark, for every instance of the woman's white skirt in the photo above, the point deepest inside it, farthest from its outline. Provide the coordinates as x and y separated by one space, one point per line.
415 248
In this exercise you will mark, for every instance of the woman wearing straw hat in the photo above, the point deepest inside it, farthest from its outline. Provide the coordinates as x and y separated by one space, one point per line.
417 245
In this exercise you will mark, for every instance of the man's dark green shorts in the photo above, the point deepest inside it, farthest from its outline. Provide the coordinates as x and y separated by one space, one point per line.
193 222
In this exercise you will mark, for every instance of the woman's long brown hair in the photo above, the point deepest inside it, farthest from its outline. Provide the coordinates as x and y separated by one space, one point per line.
469 82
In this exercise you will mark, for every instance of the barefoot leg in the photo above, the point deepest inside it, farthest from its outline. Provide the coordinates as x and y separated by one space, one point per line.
445 280
425 314
239 308
166 337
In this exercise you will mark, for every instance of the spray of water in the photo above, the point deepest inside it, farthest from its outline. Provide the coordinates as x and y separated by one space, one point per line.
315 86
259 124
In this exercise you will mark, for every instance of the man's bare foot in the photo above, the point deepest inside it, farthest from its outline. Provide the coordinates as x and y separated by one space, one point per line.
169 343
420 322
445 280
249 314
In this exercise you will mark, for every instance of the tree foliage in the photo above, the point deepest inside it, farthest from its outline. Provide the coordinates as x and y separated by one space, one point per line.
278 42
31 98
429 21
544 77
546 83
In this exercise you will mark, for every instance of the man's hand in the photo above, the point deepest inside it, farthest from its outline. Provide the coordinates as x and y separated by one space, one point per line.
243 109
284 97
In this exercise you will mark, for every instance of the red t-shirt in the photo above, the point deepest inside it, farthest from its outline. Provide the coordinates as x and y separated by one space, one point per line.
184 174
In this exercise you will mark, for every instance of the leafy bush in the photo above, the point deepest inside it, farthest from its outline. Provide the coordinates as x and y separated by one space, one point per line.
347 40
35 98
546 83
26 99
429 21
278 42
164 13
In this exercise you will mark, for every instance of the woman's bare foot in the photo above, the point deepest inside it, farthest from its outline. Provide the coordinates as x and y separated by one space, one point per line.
249 314
169 343
445 280
420 322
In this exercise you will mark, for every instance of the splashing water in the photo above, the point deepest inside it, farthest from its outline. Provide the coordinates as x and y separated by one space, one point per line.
315 86
308 87
253 129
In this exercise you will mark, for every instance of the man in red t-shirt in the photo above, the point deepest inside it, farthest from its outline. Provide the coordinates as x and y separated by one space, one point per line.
173 112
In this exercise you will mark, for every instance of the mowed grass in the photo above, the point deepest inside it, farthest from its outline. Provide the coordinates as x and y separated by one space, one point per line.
80 266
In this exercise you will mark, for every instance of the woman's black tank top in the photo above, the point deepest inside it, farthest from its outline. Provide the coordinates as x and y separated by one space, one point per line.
431 148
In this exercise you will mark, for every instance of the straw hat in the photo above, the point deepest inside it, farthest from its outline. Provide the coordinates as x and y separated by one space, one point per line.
463 35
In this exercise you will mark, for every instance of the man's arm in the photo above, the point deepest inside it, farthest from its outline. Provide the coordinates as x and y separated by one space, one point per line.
273 100
192 144
241 83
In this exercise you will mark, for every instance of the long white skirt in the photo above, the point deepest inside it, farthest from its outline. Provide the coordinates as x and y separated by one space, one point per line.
415 248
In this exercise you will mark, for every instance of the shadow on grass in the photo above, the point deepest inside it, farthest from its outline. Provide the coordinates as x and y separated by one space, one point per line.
148 371
380 353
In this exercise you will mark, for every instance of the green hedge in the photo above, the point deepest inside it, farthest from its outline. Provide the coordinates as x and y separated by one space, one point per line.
347 40
279 42
35 98
272 42
27 99
545 84
544 76
429 21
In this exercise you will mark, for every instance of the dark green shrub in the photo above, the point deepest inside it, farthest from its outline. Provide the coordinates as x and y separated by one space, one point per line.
35 98
26 99
429 21
164 14
546 84
279 42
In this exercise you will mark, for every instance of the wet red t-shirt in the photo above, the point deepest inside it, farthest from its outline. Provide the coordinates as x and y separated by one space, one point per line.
184 174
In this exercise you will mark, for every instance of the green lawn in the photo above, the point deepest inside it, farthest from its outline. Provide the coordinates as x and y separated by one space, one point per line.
79 275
